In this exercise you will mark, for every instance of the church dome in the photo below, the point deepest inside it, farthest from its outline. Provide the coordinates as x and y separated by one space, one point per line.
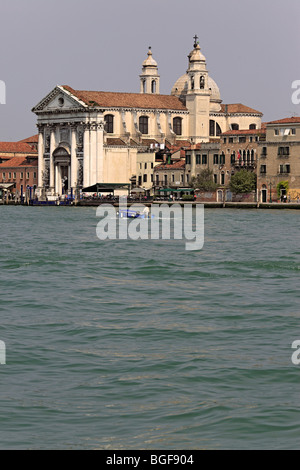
181 85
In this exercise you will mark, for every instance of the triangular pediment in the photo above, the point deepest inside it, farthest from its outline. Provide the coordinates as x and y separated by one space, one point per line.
59 100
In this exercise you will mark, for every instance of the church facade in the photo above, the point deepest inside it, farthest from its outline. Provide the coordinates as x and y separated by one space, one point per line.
96 137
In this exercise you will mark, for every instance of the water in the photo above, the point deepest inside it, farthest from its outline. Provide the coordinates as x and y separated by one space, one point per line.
143 345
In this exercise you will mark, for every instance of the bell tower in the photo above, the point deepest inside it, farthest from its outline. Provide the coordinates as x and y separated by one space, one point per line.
198 95
149 77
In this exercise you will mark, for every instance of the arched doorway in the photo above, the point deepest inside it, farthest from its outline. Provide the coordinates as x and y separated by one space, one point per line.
62 168
264 193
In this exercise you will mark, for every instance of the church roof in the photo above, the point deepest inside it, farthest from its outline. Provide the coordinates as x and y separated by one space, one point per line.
16 162
108 99
16 147
238 108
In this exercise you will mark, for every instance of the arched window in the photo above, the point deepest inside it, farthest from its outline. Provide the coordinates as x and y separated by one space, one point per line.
252 126
235 127
144 86
248 156
202 82
211 128
252 155
143 124
177 125
218 130
109 123
153 86
192 82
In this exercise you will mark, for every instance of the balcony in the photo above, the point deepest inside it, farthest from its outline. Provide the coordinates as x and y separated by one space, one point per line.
243 164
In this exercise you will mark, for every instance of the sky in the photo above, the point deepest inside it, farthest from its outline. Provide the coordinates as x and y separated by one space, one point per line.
251 47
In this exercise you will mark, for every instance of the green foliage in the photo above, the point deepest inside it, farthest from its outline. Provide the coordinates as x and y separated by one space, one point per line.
243 181
282 185
187 197
204 181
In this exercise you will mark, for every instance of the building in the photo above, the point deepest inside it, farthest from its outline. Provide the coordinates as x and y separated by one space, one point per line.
96 137
278 161
18 166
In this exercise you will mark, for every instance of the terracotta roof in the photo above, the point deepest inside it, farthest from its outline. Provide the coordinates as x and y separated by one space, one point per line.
238 108
108 99
173 166
291 120
16 147
17 162
245 132
33 139
115 141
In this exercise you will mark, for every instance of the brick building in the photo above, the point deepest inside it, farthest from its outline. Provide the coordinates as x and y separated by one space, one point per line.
18 165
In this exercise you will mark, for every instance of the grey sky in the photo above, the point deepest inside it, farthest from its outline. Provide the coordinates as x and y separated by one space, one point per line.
252 50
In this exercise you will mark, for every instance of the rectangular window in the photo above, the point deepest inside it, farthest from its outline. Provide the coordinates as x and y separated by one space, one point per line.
222 178
152 166
34 175
145 178
231 140
263 169
224 140
14 175
21 175
140 180
232 159
264 152
157 180
216 159
187 178
250 139
173 178
27 175
145 166
188 159
293 131
198 159
285 169
182 177
242 139
9 175
276 132
283 151
222 159
3 176
204 159
216 179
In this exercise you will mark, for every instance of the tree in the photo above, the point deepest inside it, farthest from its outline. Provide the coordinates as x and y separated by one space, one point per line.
204 181
243 181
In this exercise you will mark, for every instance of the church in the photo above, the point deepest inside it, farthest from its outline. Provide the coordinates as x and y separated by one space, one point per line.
97 137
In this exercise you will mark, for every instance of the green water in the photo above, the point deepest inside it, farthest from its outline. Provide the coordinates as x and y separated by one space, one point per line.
143 345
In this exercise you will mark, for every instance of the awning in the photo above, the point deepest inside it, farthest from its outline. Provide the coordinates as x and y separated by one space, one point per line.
106 187
187 190
6 185
138 190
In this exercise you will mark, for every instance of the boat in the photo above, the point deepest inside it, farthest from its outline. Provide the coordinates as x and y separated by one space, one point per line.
131 214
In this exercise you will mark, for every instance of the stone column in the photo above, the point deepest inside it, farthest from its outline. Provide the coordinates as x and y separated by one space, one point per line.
93 153
86 155
52 148
100 153
41 163
74 166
